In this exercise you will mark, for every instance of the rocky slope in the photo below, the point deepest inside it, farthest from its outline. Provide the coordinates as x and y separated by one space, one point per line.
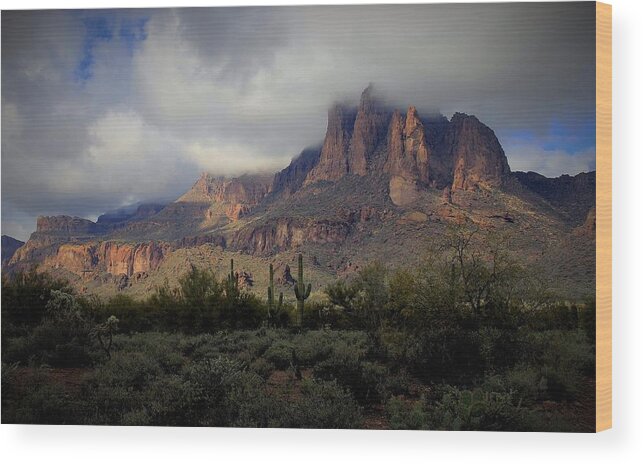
383 183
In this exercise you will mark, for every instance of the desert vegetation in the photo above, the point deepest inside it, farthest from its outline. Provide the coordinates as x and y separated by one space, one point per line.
469 340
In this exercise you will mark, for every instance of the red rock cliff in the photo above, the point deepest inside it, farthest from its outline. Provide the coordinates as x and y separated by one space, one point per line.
368 131
408 152
112 257
333 160
478 158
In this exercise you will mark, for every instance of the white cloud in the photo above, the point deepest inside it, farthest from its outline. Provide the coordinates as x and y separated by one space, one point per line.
231 160
128 157
550 163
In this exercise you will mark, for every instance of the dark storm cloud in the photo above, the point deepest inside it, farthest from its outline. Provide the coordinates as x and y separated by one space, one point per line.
102 108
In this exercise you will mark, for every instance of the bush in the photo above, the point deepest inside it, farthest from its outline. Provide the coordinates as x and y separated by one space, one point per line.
262 368
475 410
280 354
25 297
38 401
564 360
326 405
348 367
406 415
215 388
63 338
527 383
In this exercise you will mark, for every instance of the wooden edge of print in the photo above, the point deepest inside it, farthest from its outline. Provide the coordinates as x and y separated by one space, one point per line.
603 216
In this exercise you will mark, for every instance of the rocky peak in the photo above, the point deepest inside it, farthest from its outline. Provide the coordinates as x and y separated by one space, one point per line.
333 160
369 130
478 158
412 121
408 152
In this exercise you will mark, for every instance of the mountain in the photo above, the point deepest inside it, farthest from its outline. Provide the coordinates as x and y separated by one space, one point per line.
383 183
9 247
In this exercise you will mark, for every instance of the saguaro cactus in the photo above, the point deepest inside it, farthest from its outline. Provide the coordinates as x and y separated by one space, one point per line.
233 277
272 308
302 292
232 280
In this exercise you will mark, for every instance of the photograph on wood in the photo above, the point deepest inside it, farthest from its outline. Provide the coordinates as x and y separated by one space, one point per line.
354 217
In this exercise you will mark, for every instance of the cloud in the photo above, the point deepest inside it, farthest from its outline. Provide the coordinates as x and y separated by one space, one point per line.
525 156
232 160
102 107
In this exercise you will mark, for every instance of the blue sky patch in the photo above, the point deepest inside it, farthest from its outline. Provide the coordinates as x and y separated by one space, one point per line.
105 28
567 137
132 32
97 29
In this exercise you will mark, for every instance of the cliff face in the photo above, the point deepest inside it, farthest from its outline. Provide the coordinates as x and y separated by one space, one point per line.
234 197
111 257
462 153
368 131
246 189
408 153
333 160
65 226
287 233
477 157
291 178
51 231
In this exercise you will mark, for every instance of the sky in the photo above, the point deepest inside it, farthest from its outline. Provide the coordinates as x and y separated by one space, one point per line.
106 108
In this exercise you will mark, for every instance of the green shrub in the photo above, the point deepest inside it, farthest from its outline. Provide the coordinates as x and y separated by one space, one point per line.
280 354
215 390
38 401
262 368
348 367
564 358
25 296
313 347
63 338
475 410
326 405
526 382
406 415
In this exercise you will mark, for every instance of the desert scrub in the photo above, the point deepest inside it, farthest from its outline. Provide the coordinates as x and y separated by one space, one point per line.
348 366
280 354
564 360
406 415
477 409
37 400
262 368
216 389
326 405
